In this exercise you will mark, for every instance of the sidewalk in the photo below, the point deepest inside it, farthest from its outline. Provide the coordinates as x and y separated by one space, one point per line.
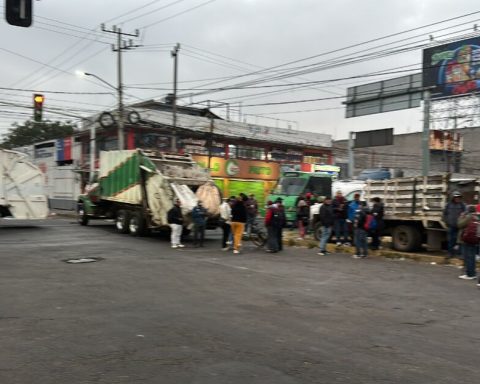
290 238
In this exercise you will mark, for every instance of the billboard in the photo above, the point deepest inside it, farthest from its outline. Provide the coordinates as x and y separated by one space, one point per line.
452 69
384 96
378 137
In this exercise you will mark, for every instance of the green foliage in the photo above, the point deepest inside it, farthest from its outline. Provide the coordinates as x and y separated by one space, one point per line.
31 132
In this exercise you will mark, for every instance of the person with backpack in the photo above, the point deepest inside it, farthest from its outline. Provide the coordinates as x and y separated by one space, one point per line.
360 225
272 241
376 229
175 220
469 226
303 213
451 213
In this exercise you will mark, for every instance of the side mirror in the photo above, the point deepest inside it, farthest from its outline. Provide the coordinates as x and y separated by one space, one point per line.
19 12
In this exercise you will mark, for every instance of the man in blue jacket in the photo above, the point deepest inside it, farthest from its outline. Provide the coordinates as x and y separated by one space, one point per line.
199 218
353 206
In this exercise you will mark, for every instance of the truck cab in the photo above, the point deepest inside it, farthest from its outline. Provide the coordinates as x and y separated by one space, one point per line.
293 184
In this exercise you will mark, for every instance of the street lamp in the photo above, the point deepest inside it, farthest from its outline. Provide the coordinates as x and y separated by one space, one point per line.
121 138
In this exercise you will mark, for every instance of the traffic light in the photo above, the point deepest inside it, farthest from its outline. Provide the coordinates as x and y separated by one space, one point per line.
38 100
19 12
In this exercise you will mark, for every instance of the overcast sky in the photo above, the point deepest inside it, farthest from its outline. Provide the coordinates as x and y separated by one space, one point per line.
223 43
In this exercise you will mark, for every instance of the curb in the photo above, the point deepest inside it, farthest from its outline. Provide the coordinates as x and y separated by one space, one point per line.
386 253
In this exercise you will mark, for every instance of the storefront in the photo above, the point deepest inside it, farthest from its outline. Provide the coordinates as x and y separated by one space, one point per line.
235 176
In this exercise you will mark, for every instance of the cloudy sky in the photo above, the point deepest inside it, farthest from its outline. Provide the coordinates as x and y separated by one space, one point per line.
288 61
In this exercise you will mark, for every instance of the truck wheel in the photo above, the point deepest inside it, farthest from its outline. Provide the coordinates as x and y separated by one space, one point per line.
122 221
406 238
82 216
317 231
138 225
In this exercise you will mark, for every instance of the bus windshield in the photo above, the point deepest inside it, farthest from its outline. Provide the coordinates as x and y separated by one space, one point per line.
291 186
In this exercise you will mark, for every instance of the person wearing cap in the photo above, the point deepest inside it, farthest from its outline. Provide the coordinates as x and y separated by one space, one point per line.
468 248
175 220
452 211
303 213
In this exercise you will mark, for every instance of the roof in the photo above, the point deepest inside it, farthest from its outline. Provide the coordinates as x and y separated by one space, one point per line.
237 130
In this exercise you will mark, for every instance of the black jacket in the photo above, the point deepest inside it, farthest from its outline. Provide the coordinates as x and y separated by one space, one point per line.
327 216
239 212
175 216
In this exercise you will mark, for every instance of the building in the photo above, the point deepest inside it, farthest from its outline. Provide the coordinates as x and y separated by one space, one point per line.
454 151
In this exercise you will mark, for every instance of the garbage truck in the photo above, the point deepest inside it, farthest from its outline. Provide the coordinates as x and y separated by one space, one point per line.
22 194
137 188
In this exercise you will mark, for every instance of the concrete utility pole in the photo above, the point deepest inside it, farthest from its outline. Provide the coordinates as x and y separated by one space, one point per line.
426 133
351 157
174 105
122 45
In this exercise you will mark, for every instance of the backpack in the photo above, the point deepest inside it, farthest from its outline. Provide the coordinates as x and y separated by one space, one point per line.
370 223
471 233
278 218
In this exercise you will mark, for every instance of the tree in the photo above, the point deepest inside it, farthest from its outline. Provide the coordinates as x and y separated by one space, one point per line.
31 132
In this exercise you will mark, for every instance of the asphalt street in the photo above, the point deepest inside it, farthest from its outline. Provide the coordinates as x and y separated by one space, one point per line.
147 313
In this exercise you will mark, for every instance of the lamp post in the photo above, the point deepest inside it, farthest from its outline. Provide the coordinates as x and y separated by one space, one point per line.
121 138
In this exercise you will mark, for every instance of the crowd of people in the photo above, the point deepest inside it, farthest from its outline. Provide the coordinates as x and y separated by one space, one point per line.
349 221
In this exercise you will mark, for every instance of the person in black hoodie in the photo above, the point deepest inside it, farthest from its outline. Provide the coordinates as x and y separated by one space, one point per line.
378 211
327 219
175 219
361 240
239 218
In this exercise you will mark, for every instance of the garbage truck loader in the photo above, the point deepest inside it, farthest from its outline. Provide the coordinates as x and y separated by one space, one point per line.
137 188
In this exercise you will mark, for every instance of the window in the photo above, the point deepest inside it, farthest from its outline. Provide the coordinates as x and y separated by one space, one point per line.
291 186
251 152
232 151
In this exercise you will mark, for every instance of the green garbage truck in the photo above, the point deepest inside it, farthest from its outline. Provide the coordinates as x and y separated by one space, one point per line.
294 183
136 189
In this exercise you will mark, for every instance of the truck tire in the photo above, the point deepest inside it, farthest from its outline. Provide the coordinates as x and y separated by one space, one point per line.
406 238
138 225
122 221
82 216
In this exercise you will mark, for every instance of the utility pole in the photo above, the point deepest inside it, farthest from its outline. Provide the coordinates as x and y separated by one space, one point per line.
122 45
426 133
351 157
175 69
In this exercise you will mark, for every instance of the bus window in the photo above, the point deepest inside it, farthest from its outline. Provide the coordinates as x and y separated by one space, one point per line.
291 186
321 186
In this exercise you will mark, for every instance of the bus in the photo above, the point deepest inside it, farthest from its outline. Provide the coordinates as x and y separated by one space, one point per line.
293 184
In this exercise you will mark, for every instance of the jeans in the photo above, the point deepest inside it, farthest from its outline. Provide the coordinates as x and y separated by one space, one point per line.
249 223
226 234
452 240
176 233
198 232
469 259
361 242
326 232
341 230
237 230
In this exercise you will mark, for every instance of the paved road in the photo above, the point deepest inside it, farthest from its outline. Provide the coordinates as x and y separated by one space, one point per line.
150 314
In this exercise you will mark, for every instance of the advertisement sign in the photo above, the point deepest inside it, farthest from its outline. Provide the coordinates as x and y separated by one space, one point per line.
241 169
445 141
64 149
453 69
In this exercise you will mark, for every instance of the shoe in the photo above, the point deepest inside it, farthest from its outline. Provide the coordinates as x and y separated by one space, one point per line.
181 246
236 252
356 257
229 243
478 285
466 277
300 238
339 244
174 246
321 253
225 248
347 244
